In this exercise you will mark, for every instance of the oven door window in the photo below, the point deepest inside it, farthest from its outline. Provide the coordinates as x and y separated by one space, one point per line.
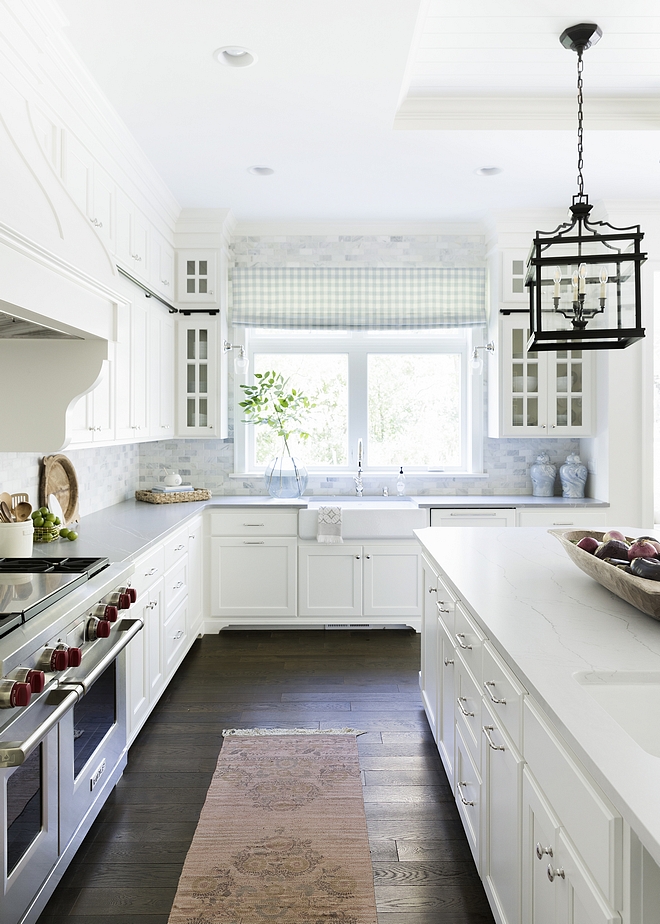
24 807
93 717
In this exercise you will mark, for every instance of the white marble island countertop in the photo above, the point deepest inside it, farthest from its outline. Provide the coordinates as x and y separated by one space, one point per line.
550 622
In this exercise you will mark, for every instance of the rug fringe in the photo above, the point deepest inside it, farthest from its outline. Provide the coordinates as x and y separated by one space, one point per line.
262 732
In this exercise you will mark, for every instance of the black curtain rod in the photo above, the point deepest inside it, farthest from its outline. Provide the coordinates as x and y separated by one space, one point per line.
147 291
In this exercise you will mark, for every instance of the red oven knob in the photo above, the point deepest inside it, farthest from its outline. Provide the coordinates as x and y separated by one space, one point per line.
119 598
54 659
75 657
129 592
105 611
37 680
97 628
14 693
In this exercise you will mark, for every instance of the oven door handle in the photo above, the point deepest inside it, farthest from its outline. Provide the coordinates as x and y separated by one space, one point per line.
13 754
126 630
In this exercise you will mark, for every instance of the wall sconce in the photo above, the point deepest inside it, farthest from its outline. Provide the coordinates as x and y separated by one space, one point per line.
477 361
241 361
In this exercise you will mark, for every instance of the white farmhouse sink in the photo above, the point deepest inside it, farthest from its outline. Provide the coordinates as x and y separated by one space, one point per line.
632 698
366 517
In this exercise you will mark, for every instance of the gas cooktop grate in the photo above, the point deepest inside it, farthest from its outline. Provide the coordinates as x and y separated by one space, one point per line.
89 566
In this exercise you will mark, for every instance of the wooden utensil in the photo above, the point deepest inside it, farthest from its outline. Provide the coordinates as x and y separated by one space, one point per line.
58 477
22 511
6 498
16 499
6 512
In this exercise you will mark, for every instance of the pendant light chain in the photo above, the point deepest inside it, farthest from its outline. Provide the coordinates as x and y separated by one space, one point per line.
580 131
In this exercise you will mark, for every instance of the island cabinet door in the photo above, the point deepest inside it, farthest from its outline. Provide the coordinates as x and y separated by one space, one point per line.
429 675
501 774
330 581
253 577
539 846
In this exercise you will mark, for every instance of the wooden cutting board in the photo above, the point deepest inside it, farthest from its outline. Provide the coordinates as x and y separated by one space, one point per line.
58 477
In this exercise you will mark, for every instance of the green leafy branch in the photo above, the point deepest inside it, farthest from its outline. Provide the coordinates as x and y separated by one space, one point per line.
270 403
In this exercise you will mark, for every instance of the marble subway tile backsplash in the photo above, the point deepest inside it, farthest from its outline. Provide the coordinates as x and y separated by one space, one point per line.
106 475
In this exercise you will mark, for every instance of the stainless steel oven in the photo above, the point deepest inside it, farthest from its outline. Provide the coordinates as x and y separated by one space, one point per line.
62 727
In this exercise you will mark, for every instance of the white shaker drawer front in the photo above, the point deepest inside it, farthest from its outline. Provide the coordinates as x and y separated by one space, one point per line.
582 518
446 603
176 547
588 817
174 631
503 693
467 708
176 587
255 522
469 640
473 517
467 790
149 569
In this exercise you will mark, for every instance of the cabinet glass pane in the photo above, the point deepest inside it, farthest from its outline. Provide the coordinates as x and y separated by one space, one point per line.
190 412
190 268
517 343
190 340
191 380
532 377
203 344
562 412
562 377
203 413
576 377
577 354
202 286
576 412
202 268
517 412
561 354
203 378
532 412
190 285
517 377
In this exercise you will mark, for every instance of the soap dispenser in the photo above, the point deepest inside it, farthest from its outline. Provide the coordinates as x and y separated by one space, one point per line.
401 483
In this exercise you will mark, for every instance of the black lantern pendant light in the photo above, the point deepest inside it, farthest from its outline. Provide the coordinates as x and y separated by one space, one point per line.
584 277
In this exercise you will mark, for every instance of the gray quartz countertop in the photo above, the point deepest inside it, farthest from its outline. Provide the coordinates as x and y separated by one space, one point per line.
127 529
554 625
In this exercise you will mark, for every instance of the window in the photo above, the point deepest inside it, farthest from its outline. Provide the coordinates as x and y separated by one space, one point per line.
406 394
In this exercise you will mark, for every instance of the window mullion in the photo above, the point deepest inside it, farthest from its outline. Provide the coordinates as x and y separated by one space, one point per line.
357 405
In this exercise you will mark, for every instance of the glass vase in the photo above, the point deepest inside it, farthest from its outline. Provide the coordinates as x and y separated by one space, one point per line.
285 476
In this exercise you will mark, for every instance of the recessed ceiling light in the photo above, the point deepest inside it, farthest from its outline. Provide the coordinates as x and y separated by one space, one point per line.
235 56
260 171
488 171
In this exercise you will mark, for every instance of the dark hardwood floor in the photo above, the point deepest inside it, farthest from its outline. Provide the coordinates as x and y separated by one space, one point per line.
127 869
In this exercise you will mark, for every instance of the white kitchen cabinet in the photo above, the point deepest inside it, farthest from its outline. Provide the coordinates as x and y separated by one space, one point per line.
132 373
557 886
161 373
429 676
466 516
445 709
91 419
132 247
544 394
253 578
501 775
467 791
200 362
569 516
175 636
197 281
195 575
161 266
352 581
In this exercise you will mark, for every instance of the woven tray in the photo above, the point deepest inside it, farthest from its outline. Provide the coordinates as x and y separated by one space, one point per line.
154 497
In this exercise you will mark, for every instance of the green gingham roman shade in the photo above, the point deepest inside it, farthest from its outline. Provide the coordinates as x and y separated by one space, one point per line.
358 298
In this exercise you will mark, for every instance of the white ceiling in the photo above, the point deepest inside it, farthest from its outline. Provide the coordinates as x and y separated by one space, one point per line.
320 106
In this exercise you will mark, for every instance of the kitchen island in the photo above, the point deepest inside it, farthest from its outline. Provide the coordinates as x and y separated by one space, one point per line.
525 647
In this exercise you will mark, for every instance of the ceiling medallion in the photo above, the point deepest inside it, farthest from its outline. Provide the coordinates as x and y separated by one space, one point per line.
584 278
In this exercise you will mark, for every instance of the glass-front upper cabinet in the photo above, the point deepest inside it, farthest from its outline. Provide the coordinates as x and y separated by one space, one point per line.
198 377
543 394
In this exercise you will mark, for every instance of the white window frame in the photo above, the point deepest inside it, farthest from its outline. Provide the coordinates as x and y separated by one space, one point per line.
357 344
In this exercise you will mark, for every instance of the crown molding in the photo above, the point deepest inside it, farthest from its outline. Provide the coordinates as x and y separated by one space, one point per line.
355 228
509 113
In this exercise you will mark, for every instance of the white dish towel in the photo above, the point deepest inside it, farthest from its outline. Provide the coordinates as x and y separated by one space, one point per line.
328 529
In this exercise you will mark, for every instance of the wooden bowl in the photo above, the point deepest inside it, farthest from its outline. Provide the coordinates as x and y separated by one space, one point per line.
640 592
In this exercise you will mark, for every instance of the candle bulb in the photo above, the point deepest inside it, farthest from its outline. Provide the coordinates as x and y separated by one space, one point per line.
360 451
603 281
575 280
583 274
557 278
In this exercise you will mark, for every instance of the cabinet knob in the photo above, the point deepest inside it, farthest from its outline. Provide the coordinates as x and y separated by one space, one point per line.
367 557
540 850
358 557
552 873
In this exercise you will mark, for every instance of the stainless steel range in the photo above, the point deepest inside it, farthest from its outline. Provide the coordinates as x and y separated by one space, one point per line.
63 630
